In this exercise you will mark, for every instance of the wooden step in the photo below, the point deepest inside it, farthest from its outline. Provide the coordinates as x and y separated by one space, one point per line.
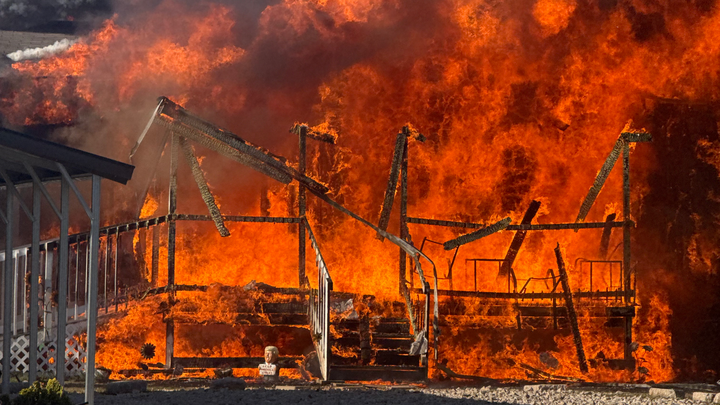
284 307
391 327
392 342
350 340
396 358
372 373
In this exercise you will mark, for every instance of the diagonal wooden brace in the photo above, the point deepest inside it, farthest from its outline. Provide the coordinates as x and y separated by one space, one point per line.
518 239
177 113
624 138
480 233
572 315
400 145
207 196
600 179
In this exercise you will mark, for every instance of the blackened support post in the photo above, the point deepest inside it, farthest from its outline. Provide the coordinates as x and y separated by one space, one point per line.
572 315
172 212
404 231
302 135
626 250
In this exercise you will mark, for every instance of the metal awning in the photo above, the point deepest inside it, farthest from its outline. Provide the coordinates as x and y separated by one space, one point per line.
17 149
32 161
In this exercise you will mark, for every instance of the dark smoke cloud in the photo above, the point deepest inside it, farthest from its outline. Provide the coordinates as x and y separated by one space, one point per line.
32 14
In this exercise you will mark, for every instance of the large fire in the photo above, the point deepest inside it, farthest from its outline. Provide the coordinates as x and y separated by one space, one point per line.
519 100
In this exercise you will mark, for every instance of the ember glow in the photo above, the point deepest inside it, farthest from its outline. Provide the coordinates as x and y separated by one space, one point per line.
518 100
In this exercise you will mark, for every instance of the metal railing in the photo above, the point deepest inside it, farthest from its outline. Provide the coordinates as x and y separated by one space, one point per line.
320 308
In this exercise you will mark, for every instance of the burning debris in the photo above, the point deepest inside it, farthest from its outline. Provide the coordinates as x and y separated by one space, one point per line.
515 134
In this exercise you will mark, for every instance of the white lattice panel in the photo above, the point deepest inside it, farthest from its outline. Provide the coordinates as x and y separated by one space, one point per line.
75 352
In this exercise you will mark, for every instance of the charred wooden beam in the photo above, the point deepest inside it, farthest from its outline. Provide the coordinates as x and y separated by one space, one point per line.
302 204
227 138
518 239
223 149
201 182
570 305
240 218
607 232
617 294
545 375
315 134
600 179
636 137
438 222
400 145
518 227
481 233
623 140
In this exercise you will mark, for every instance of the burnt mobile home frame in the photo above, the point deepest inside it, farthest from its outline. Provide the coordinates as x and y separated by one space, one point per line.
625 292
27 161
182 127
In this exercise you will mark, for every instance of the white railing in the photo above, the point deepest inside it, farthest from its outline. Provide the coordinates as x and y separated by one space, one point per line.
320 309
48 308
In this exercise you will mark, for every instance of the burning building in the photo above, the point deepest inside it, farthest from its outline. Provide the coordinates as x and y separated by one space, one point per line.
464 140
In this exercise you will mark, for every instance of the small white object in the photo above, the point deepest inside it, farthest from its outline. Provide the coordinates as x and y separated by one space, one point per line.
267 369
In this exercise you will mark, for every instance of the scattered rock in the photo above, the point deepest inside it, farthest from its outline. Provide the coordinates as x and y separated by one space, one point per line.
662 393
543 387
125 387
717 399
230 383
703 396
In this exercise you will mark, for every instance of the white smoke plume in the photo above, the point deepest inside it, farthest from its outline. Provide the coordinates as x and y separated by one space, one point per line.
39 53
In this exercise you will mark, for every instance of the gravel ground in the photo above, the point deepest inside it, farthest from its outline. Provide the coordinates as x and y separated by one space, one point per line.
542 395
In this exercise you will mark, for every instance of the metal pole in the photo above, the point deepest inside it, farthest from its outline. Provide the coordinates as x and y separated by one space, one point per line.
77 275
47 302
301 207
16 295
105 273
34 275
62 280
8 309
117 242
91 309
172 212
24 289
404 232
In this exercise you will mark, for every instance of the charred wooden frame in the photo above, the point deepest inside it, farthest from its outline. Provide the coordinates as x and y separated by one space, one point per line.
626 293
